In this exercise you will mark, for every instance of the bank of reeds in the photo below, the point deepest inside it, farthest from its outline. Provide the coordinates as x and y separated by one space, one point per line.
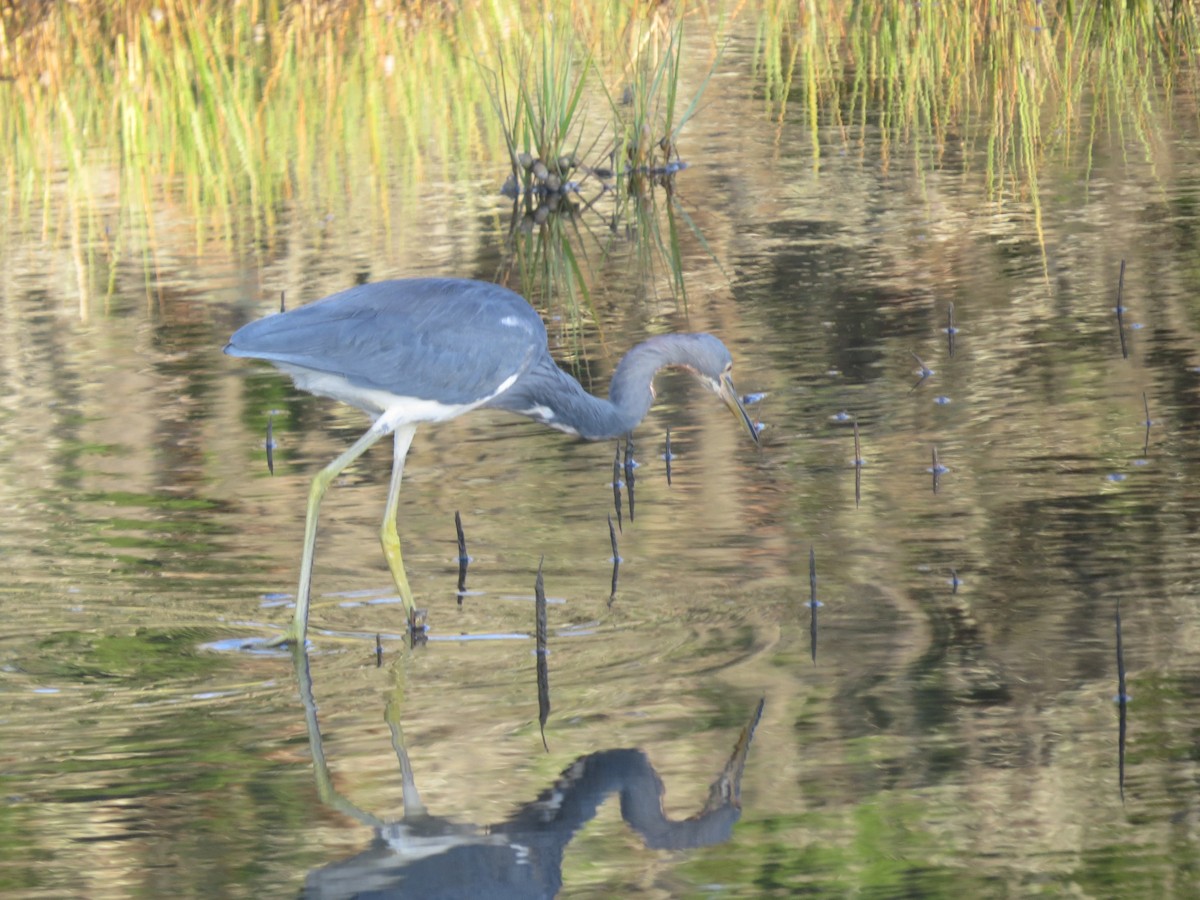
1022 79
588 179
227 113
231 110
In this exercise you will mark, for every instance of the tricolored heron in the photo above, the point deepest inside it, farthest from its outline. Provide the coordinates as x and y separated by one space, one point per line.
429 349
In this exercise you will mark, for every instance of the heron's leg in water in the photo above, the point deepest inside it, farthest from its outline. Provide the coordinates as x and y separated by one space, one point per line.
320 484
389 536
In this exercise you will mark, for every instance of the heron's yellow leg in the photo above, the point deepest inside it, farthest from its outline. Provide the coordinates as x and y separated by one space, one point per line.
413 807
320 484
389 536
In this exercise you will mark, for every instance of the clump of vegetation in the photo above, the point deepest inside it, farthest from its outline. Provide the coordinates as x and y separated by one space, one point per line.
648 117
566 159
542 120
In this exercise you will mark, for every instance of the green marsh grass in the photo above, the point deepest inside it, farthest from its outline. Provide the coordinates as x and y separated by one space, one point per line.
131 118
584 183
232 111
1034 77
543 119
648 119
537 94
131 124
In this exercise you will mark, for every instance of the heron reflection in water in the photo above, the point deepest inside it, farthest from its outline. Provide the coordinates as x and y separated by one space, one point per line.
430 349
425 855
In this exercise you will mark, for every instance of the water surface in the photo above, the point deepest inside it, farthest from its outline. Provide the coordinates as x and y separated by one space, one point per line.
956 740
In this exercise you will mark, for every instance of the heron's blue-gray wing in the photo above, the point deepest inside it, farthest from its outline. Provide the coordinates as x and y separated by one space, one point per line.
453 341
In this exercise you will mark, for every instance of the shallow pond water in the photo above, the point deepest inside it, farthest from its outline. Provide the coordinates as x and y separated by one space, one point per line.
944 726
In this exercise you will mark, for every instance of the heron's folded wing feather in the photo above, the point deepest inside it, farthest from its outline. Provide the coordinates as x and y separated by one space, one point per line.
452 341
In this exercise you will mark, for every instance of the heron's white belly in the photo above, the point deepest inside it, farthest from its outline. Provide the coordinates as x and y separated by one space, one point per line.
392 409
545 415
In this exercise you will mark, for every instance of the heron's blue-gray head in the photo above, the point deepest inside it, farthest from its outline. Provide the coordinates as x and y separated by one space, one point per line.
712 363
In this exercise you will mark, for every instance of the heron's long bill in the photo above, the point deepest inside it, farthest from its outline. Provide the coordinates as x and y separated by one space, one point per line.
727 392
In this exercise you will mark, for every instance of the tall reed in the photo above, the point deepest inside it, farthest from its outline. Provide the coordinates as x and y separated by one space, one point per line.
1031 77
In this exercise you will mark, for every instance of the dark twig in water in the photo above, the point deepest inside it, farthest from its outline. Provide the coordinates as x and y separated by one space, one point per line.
951 331
616 483
812 573
954 581
937 469
667 457
813 602
378 650
1146 443
616 561
270 442
1121 312
463 559
283 301
1122 701
543 671
859 462
630 465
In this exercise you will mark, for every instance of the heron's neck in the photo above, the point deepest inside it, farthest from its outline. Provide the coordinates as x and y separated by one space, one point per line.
550 395
558 400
